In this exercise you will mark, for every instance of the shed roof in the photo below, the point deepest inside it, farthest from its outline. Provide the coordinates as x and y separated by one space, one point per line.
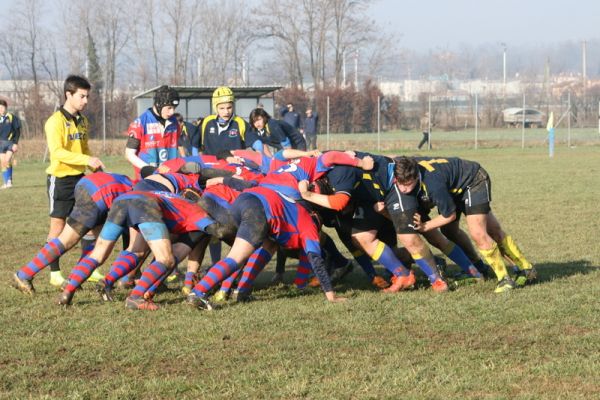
205 92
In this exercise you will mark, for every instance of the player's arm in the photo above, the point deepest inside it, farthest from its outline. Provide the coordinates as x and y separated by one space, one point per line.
337 201
288 154
320 270
332 158
446 210
134 142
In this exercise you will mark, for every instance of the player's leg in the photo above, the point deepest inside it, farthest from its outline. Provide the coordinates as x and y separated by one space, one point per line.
508 247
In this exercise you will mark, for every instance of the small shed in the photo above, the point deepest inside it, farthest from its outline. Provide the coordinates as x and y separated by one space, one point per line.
196 100
516 116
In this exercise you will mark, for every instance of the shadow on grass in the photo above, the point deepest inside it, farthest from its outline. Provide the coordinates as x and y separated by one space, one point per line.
551 271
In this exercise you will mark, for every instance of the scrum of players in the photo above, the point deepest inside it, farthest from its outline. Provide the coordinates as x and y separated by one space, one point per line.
255 187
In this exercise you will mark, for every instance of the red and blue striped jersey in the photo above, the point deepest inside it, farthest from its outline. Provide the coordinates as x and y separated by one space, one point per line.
222 194
183 181
158 142
290 224
104 187
285 179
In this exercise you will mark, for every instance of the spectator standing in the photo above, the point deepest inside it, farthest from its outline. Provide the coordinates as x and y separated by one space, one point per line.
311 128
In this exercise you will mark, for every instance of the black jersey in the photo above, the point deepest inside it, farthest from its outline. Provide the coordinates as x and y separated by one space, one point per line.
444 180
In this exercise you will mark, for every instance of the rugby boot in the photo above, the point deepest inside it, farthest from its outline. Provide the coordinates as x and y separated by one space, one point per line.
95 277
186 290
104 291
439 286
24 285
65 298
219 297
199 302
401 283
242 296
505 285
525 276
57 279
140 303
379 282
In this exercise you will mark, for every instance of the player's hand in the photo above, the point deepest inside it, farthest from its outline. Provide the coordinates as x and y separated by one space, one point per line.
379 207
351 153
314 153
162 169
95 163
418 225
303 186
332 298
367 163
14 148
214 181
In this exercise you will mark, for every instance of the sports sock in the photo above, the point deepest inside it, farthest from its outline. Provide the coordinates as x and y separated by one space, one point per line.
188 281
46 256
216 274
80 273
256 263
386 257
227 284
151 274
494 259
302 272
456 254
429 270
9 174
482 267
509 248
87 244
5 176
365 263
124 264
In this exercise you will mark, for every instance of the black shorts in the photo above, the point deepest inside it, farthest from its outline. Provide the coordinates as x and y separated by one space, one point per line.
190 239
365 219
476 199
249 215
5 146
61 194
85 214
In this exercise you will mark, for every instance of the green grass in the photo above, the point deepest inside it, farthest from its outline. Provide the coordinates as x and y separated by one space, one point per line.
538 342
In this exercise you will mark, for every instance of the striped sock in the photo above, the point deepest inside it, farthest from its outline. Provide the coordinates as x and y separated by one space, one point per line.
386 257
124 264
227 284
49 253
189 279
216 274
87 245
256 263
302 272
80 273
151 275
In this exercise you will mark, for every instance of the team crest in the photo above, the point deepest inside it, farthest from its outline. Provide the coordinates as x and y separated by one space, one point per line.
233 133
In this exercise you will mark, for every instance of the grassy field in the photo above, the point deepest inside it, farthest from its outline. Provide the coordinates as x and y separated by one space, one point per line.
539 342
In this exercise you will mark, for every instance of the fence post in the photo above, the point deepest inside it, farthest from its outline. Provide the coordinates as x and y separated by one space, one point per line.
523 128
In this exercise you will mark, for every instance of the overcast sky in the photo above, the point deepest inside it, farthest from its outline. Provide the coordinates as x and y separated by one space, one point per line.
429 24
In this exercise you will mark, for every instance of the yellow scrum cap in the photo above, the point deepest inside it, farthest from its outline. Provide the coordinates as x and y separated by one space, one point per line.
222 95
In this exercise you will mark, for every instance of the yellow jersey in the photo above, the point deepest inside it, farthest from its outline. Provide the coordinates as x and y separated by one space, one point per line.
67 137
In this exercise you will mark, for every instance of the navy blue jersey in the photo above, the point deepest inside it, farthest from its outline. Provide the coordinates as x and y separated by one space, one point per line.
234 136
10 128
281 135
443 180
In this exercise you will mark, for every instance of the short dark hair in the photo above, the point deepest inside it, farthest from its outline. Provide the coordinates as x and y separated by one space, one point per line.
178 117
406 169
259 113
3 103
74 82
